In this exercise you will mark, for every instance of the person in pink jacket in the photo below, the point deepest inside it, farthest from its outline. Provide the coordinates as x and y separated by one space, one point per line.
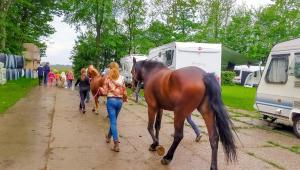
51 77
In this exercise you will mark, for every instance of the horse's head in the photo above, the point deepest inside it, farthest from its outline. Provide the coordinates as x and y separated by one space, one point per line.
137 71
92 72
142 69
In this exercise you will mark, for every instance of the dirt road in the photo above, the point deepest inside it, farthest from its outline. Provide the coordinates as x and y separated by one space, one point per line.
46 131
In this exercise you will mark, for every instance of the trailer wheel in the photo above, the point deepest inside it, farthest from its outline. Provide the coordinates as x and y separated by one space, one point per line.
297 126
265 117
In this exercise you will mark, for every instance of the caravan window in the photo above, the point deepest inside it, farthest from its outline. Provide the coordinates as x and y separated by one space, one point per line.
297 65
277 71
169 57
237 72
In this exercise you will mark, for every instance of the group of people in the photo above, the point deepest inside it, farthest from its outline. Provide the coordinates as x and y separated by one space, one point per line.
49 77
115 91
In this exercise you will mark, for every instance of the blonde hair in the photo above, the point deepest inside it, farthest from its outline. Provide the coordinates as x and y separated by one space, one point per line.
83 73
113 71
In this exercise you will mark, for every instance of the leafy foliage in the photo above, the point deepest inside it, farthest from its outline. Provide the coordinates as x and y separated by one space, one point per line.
26 21
227 77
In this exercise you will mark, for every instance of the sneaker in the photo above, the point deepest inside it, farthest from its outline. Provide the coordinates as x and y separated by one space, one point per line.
107 138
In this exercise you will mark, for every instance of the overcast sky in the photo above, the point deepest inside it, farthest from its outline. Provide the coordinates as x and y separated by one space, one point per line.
62 41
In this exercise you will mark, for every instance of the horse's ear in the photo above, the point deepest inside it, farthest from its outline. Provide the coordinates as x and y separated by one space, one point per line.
134 60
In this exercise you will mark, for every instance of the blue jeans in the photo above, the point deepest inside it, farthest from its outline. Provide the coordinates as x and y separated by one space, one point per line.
113 106
45 79
194 126
88 97
83 94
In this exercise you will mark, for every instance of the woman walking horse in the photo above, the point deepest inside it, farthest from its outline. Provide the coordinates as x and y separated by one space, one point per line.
96 81
183 91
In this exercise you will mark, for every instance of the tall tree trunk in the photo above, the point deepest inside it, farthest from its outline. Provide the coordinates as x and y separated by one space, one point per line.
4 6
99 17
2 31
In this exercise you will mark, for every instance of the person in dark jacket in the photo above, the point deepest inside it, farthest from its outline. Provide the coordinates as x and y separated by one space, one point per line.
46 69
84 88
40 73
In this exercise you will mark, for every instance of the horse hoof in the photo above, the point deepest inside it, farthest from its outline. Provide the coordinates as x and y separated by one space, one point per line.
152 148
93 110
165 161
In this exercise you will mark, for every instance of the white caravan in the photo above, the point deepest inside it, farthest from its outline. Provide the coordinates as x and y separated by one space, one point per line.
253 79
182 54
126 65
278 93
247 75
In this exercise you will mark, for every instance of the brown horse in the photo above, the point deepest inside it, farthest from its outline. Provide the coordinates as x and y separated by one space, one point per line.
183 91
96 81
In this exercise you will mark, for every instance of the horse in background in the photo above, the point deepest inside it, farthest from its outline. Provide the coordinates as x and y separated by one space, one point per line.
96 81
183 91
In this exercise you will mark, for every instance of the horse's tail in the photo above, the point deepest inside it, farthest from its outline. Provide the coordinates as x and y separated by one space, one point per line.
224 124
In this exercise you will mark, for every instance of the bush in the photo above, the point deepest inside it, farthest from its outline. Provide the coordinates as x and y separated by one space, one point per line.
227 77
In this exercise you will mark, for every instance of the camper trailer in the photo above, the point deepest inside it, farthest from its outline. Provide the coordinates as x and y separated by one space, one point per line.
126 65
253 79
182 54
278 93
247 75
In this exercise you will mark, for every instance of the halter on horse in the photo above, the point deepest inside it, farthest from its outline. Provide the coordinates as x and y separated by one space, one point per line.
96 81
183 91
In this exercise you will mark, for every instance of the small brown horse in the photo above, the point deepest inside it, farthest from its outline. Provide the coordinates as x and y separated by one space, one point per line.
96 81
183 91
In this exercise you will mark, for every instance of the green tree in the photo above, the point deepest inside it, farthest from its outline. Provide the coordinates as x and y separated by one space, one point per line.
4 7
134 15
96 16
26 21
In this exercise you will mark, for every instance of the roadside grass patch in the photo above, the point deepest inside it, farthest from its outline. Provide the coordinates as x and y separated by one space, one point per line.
265 160
239 97
12 91
295 149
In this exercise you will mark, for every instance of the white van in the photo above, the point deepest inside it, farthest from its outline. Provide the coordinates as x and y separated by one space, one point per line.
182 54
126 66
278 93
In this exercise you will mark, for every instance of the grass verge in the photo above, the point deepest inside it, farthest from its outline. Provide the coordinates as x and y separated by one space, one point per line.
239 97
267 161
294 149
12 91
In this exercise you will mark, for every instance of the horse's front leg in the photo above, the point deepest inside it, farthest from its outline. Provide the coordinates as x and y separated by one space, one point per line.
178 124
151 116
96 104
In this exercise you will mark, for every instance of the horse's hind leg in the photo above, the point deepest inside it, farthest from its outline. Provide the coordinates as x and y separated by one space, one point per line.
209 118
157 128
178 124
151 116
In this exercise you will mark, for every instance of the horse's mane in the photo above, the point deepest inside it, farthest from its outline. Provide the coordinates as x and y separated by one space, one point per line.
150 64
